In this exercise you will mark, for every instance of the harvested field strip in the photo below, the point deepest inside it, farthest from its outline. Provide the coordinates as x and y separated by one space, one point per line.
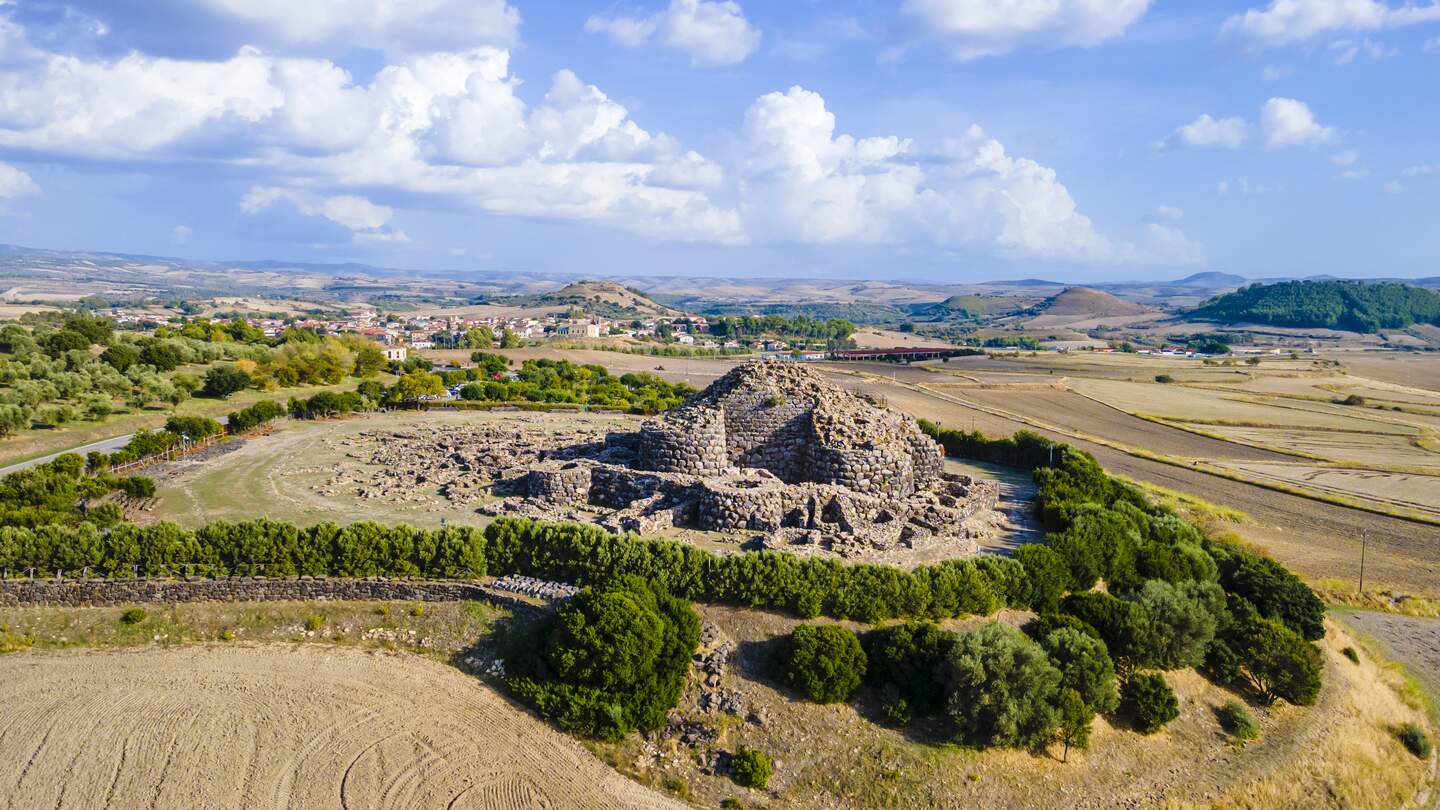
1379 451
281 727
1417 493
1088 415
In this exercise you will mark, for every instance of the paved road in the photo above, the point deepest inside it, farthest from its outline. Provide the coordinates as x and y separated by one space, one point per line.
103 446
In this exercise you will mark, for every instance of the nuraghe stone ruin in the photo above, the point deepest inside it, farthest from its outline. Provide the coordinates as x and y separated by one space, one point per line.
774 447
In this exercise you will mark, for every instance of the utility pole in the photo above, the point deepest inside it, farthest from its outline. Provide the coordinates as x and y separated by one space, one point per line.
1364 541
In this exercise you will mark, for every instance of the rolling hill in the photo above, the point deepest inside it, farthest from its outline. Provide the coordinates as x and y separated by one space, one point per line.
1082 307
1348 305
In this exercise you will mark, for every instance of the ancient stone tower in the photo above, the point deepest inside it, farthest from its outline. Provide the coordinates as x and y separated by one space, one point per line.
788 419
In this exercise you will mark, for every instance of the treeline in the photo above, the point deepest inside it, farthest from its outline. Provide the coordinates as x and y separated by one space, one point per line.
561 381
57 369
61 496
799 326
1351 305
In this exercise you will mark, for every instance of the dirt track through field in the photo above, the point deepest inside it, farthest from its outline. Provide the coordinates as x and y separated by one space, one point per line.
281 727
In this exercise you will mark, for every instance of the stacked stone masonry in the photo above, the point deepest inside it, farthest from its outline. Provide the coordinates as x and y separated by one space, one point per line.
120 592
775 447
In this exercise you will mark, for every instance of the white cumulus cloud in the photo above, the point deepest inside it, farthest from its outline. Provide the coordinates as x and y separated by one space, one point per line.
1287 21
352 212
801 181
15 183
971 29
1206 132
1287 122
712 32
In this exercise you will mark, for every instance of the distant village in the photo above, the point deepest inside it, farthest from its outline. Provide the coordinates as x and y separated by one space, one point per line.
399 333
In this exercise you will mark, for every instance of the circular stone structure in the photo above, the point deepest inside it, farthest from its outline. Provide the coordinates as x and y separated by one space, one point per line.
788 419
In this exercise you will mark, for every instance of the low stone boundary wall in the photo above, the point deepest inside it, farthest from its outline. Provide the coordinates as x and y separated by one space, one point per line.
119 592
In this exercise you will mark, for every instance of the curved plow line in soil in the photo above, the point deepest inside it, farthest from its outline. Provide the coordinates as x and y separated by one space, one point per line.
1203 467
1424 508
1332 463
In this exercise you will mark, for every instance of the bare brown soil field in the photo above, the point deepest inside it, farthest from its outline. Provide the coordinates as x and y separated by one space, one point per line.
1418 369
1411 640
272 726
1339 753
1070 410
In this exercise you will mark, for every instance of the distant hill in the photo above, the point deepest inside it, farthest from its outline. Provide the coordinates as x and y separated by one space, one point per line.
1083 302
968 306
1083 308
597 297
1212 281
1350 305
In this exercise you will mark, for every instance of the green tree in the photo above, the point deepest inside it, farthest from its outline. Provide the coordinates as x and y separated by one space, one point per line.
120 356
1085 668
1002 689
1075 719
222 381
414 385
369 360
1182 622
1148 701
825 662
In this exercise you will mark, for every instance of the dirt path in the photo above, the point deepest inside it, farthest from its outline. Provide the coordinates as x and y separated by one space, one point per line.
281 727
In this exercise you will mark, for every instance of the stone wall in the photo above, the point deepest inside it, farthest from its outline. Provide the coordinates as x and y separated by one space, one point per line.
121 592
692 442
560 482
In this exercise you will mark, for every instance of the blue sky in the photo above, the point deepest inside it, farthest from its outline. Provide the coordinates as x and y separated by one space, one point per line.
953 140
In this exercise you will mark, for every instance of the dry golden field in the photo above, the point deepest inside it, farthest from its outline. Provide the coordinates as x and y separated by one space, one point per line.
277 726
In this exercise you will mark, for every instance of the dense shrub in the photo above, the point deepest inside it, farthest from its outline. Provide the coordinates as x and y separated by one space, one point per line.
903 665
1046 573
1122 625
254 416
1002 689
1264 657
1182 620
824 662
193 428
222 381
607 661
1275 592
751 768
1085 667
1148 701
1415 740
133 616
1236 719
